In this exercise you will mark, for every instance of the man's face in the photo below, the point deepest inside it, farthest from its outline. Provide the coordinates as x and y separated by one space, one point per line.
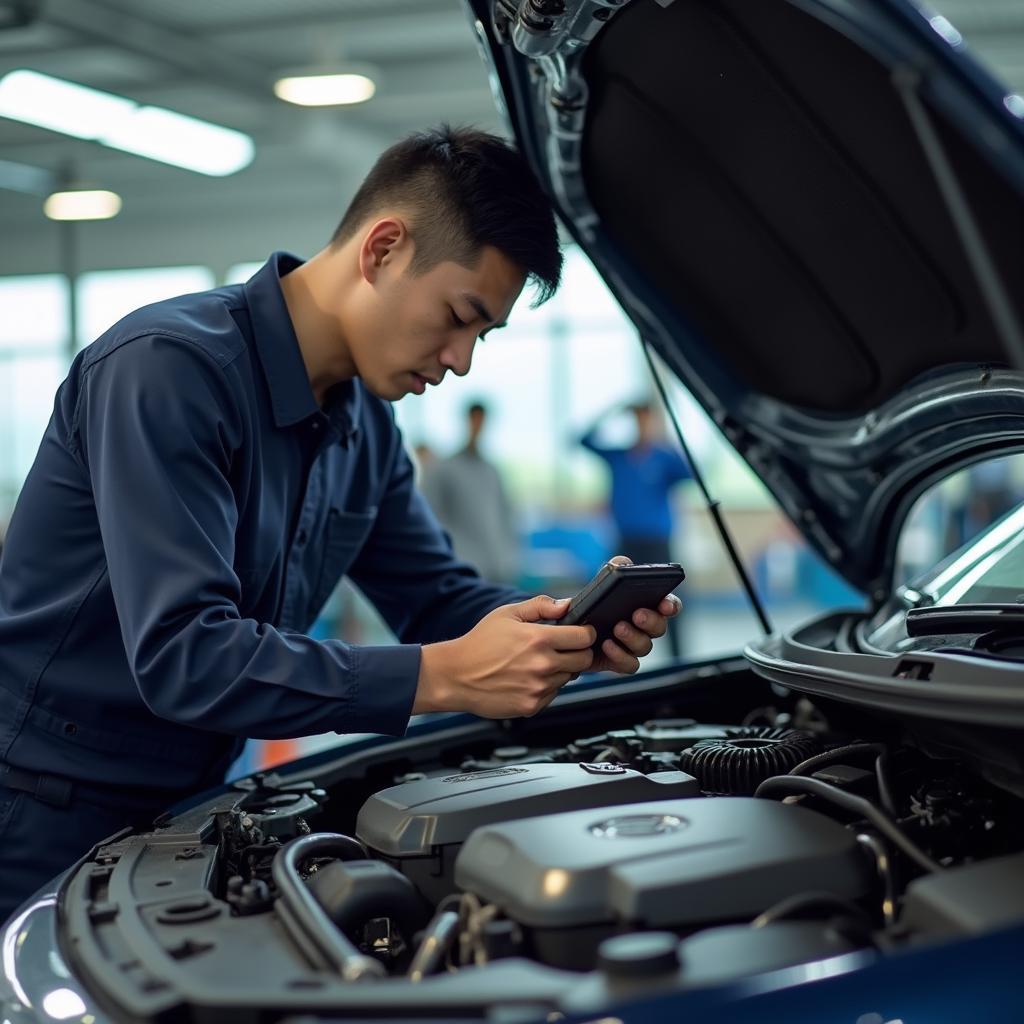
644 424
408 330
476 423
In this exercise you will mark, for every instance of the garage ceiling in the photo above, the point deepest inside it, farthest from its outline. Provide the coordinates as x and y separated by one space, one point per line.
216 59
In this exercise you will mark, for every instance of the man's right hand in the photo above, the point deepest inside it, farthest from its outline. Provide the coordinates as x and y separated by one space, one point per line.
510 664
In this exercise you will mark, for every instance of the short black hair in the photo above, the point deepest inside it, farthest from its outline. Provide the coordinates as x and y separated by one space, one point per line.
476 408
465 189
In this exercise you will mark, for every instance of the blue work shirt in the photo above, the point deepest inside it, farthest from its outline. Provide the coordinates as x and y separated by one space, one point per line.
188 513
642 478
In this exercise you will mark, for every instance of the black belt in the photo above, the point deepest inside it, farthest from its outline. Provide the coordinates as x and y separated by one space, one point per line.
50 789
58 791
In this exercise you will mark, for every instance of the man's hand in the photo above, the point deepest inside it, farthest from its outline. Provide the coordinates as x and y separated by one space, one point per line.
510 664
633 640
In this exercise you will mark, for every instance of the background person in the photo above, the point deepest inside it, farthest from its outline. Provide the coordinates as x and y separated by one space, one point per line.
643 476
466 493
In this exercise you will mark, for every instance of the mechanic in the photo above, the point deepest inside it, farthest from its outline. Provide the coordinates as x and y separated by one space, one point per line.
214 464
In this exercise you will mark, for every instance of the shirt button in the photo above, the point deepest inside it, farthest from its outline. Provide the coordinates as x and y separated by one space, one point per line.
316 425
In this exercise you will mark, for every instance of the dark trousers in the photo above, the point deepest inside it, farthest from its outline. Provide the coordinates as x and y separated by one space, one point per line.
652 549
40 840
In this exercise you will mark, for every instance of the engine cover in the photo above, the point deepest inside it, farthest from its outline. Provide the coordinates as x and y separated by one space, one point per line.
672 864
411 819
420 826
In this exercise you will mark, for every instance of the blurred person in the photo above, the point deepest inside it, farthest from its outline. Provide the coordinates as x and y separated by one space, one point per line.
215 463
424 459
424 456
643 476
467 495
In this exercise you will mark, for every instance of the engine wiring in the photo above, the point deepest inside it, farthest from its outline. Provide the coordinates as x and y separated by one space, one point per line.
858 805
838 754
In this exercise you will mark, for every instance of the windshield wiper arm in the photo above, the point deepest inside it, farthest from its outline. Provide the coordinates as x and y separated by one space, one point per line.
965 618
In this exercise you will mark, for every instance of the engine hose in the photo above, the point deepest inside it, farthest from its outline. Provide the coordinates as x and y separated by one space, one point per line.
734 764
438 939
853 803
812 764
356 891
883 863
792 906
302 914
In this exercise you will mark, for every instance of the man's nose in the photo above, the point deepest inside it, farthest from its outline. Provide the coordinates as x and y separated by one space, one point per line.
458 355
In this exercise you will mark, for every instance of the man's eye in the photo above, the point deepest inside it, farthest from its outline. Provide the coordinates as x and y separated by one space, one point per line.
456 319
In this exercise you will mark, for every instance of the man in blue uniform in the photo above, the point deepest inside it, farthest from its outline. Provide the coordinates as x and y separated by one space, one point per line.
643 476
214 464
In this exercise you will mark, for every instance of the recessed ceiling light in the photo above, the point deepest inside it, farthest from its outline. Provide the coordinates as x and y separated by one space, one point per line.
121 123
325 90
82 204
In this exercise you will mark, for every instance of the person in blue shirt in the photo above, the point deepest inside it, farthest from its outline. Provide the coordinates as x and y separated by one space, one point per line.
213 465
643 476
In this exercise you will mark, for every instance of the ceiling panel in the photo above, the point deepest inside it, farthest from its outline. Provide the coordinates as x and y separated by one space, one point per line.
205 13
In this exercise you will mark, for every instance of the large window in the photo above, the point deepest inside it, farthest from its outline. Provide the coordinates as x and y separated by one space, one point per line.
33 343
107 295
33 314
35 328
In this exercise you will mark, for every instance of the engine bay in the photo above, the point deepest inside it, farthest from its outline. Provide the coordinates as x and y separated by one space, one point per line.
668 852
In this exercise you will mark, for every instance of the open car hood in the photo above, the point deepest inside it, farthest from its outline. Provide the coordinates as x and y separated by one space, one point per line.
813 210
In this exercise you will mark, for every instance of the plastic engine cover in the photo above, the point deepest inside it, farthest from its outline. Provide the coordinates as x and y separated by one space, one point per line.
665 864
412 819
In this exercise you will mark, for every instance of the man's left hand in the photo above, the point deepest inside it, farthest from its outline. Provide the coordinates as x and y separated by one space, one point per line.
634 640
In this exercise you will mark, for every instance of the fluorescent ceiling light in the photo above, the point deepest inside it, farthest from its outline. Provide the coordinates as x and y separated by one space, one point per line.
325 90
82 204
121 123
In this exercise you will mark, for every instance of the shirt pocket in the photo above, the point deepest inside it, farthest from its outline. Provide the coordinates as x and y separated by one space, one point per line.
344 538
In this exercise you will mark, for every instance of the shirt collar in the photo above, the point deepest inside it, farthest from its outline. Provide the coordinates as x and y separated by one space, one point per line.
291 396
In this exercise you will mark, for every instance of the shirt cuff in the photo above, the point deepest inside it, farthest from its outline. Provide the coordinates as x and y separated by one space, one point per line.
386 680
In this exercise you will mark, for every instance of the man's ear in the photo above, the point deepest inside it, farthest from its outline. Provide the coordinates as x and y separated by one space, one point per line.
380 246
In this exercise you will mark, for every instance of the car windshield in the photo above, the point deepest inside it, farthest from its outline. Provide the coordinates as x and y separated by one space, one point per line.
988 570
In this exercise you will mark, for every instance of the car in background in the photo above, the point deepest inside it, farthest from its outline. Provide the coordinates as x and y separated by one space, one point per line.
813 212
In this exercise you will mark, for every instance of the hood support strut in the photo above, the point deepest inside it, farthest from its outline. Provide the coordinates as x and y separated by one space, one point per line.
714 506
907 82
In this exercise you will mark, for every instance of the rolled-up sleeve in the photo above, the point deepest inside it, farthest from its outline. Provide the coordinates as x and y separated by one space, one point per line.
156 428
